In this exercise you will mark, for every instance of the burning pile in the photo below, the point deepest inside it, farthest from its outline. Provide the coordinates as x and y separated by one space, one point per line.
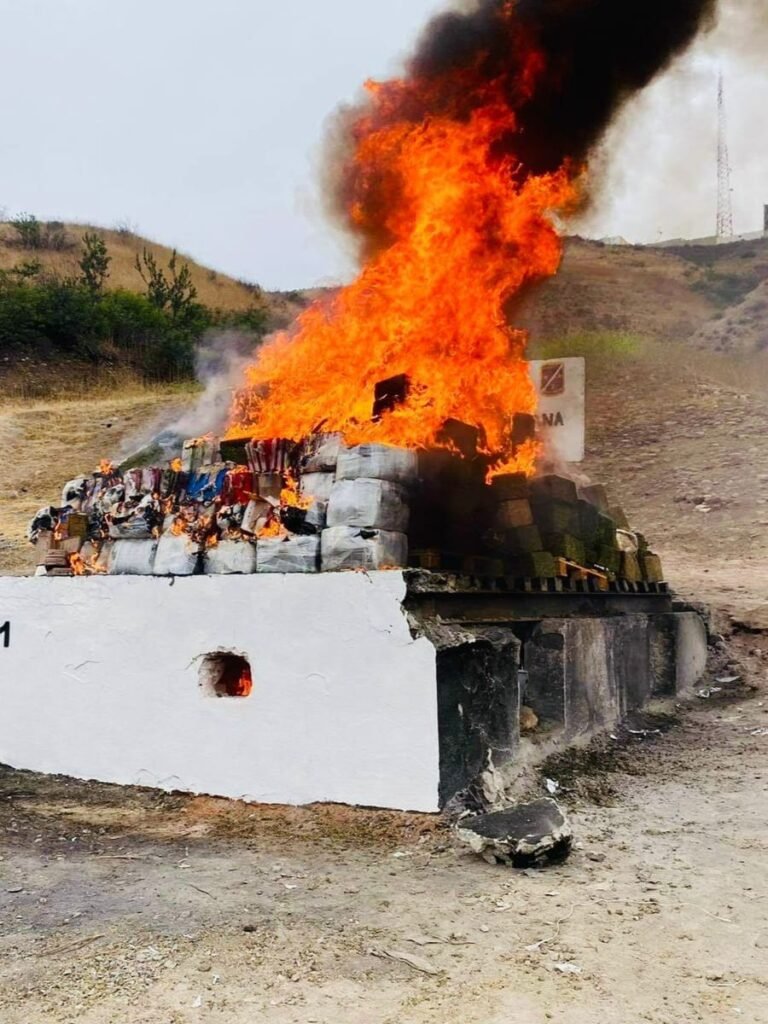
282 507
453 178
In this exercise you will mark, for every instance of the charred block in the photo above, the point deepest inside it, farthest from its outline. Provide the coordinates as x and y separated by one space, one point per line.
390 393
596 495
529 835
523 428
465 437
553 488
509 487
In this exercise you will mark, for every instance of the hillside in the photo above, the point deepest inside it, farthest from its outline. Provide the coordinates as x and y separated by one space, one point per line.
659 292
61 252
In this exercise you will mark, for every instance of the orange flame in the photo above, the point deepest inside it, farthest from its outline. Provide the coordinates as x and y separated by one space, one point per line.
467 232
86 567
290 496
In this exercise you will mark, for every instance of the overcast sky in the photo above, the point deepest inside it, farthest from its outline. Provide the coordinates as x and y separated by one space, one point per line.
198 122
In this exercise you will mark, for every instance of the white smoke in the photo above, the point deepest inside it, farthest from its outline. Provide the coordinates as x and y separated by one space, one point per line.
219 366
657 172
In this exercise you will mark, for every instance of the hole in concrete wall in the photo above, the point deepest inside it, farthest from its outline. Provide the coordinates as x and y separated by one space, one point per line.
226 675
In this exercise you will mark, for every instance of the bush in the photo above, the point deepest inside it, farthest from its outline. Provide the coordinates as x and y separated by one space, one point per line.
29 231
157 335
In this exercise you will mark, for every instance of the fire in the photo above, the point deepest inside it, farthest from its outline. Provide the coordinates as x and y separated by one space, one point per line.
175 465
460 228
106 468
273 528
290 496
86 567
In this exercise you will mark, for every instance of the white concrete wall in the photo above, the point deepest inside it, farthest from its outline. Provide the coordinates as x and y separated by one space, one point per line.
101 680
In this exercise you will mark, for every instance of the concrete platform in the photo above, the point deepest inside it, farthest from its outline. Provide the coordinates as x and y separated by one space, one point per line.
357 693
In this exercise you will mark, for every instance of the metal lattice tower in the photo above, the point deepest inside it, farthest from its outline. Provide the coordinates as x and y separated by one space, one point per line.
724 197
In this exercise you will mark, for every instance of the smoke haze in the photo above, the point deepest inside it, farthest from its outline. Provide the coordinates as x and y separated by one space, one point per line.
656 171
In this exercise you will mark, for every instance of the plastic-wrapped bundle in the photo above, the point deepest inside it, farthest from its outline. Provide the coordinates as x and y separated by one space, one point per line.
135 527
372 504
318 487
347 547
202 451
288 554
176 555
378 462
75 493
321 453
256 514
230 557
132 557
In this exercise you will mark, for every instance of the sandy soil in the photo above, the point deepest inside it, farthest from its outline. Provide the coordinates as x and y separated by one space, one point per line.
140 908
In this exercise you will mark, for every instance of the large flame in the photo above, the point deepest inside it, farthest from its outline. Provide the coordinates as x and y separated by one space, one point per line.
465 228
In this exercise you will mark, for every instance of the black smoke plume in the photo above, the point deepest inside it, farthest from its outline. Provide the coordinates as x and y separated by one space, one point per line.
596 55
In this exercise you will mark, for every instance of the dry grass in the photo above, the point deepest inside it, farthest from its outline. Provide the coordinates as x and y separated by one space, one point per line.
47 442
214 289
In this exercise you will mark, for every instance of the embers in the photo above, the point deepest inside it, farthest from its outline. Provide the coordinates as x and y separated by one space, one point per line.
226 675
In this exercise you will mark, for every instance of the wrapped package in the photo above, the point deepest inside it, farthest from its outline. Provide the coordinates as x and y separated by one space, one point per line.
318 487
378 462
257 513
176 555
321 453
371 504
198 452
75 493
348 547
288 554
275 456
230 557
97 555
132 557
133 528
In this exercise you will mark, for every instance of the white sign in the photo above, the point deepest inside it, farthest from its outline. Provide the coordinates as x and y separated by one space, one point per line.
561 415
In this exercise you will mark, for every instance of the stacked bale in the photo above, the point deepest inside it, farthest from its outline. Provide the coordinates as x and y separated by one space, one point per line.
540 522
368 509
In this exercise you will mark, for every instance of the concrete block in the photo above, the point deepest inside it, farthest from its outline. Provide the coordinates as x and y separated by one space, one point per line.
478 704
691 651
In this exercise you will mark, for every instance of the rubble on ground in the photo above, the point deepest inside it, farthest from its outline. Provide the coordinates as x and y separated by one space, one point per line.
529 835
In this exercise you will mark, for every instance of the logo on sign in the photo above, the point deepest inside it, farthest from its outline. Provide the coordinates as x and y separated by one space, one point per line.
553 379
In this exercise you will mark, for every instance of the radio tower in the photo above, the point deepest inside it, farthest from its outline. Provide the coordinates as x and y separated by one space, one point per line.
724 198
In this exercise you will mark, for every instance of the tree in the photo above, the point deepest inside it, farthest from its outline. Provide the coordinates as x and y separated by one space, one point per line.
94 263
176 293
29 230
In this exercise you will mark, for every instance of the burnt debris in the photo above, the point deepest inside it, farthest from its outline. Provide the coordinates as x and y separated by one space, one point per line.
529 835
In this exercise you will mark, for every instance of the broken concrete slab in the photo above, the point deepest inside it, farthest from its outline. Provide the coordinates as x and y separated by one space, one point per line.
528 835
